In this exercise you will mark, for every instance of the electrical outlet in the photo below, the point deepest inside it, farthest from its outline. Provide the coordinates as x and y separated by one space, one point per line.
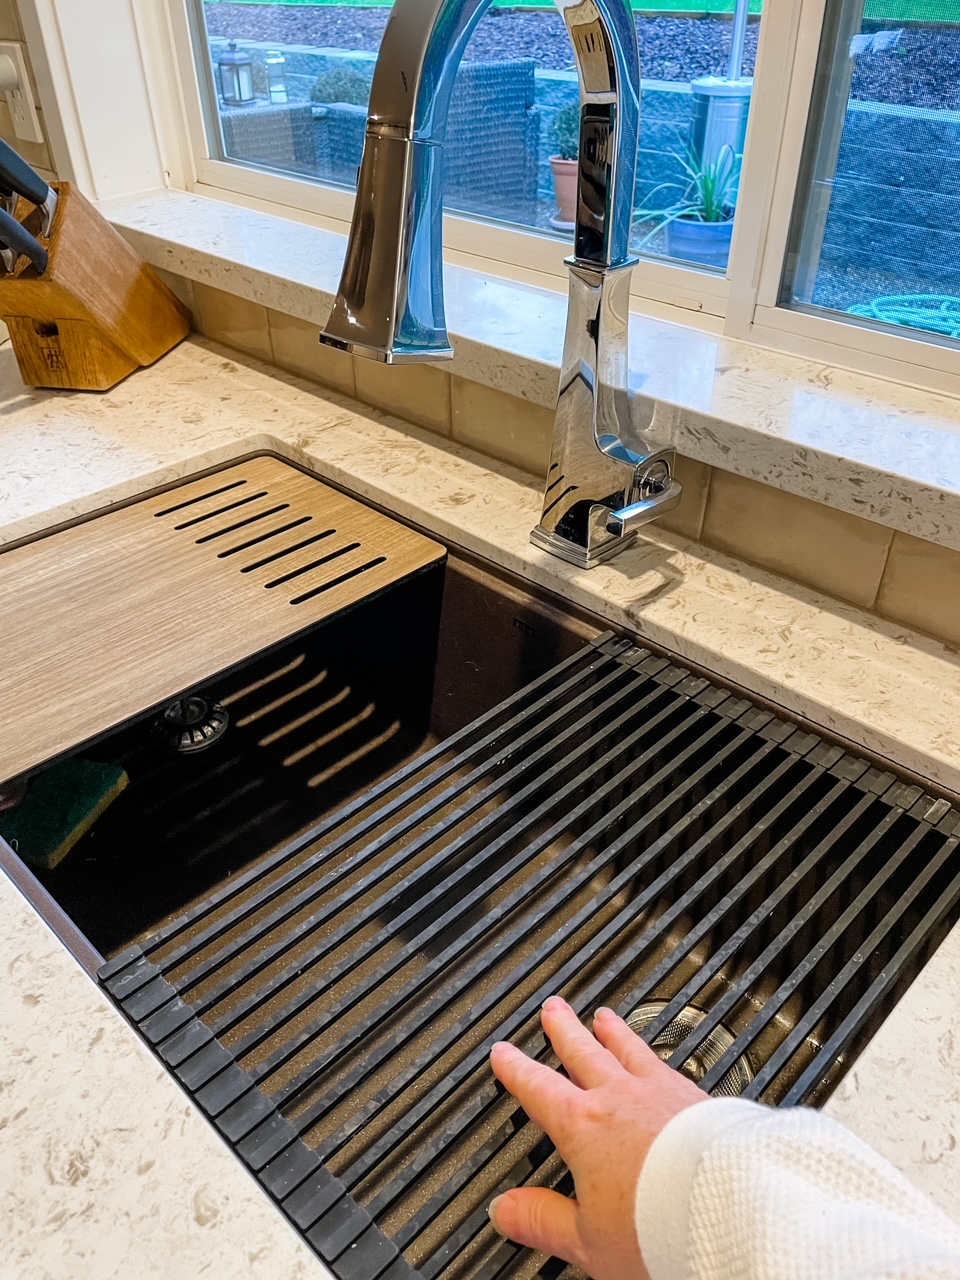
26 122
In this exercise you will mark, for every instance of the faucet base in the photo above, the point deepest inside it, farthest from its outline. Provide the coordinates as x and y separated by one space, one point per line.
387 355
582 557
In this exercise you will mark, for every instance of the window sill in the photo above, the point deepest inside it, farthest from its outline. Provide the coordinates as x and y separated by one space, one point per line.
871 447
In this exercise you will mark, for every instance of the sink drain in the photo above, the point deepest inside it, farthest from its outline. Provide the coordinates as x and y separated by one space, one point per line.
707 1054
191 724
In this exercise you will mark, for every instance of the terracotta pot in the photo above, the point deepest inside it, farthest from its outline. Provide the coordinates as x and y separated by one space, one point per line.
565 188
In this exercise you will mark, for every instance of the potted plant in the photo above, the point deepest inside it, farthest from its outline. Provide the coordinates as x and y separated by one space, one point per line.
699 225
565 133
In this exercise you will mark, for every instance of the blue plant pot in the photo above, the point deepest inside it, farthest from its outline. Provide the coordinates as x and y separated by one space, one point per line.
704 242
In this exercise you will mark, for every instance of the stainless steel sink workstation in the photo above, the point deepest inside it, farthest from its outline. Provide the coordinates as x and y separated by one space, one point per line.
392 797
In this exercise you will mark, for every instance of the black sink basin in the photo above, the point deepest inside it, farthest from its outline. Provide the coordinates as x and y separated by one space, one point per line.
313 724
433 811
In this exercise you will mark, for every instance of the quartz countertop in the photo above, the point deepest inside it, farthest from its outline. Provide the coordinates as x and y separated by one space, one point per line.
862 443
105 1167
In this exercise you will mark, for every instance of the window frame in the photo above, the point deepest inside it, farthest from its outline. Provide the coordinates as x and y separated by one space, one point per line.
163 141
482 243
761 318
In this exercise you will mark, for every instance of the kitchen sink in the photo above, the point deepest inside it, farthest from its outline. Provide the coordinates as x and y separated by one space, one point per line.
314 724
433 808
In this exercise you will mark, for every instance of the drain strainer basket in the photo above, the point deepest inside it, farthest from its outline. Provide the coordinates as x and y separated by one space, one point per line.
191 724
707 1054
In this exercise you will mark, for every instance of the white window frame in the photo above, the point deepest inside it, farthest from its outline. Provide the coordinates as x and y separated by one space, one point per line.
475 241
158 137
754 313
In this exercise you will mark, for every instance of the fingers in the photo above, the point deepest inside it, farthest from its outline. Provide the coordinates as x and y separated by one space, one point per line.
625 1045
540 1219
546 1096
587 1061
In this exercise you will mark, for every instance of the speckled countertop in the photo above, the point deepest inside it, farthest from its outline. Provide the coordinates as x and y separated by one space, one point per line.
105 1168
862 443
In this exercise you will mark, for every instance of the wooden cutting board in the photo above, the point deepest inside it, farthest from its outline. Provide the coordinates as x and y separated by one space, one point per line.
106 619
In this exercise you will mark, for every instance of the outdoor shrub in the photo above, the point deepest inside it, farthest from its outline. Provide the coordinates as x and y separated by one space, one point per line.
712 191
565 132
344 84
709 195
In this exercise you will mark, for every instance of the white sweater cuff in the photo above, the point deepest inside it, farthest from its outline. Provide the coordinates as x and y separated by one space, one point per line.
664 1189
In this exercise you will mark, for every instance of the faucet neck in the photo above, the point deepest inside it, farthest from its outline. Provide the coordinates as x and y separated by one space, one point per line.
605 42
390 302
605 478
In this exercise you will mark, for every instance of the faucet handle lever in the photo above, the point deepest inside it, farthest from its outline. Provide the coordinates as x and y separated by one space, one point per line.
658 504
658 490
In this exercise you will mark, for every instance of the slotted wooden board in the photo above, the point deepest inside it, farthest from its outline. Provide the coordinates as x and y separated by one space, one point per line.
110 617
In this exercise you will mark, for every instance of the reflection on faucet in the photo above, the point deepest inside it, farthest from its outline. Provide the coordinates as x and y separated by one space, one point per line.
389 306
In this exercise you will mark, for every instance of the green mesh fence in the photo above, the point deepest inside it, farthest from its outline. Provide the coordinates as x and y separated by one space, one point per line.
691 8
881 10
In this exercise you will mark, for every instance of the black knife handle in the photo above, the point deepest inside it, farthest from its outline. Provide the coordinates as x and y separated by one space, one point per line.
16 173
14 235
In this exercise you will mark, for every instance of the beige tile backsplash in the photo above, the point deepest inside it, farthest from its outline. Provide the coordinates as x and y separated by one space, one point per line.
296 347
687 519
902 578
812 543
233 321
10 21
921 587
418 392
181 287
502 425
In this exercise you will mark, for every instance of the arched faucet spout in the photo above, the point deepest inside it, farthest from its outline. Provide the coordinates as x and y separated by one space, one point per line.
390 302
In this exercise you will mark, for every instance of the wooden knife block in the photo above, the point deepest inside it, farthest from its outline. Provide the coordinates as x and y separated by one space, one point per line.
97 313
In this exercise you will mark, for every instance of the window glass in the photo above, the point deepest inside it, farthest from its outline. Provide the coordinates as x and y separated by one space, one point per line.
876 230
292 80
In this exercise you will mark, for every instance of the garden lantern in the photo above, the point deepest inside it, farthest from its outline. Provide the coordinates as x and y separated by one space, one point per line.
236 77
276 67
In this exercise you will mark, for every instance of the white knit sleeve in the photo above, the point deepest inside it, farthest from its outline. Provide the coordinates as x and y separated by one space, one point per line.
732 1190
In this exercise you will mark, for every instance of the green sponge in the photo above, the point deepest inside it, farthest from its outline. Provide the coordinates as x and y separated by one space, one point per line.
61 804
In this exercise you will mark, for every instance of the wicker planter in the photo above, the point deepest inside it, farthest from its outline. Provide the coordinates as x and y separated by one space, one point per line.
565 189
339 129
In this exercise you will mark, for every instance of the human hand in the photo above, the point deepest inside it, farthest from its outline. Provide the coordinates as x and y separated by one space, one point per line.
603 1121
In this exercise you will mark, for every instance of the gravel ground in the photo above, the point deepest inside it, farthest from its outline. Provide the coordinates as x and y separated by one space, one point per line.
670 48
923 71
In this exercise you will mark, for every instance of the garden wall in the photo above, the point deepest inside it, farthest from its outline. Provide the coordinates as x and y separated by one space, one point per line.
493 129
894 221
895 212
667 108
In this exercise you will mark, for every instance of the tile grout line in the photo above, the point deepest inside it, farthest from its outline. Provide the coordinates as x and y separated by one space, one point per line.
883 571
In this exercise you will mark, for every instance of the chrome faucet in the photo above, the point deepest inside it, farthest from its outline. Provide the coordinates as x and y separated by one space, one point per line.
599 488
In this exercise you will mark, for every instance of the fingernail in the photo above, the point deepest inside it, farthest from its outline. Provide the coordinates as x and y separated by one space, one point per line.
604 1011
555 1002
490 1211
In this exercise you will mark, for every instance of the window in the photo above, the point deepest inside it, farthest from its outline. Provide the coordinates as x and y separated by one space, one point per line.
835 238
875 236
290 83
